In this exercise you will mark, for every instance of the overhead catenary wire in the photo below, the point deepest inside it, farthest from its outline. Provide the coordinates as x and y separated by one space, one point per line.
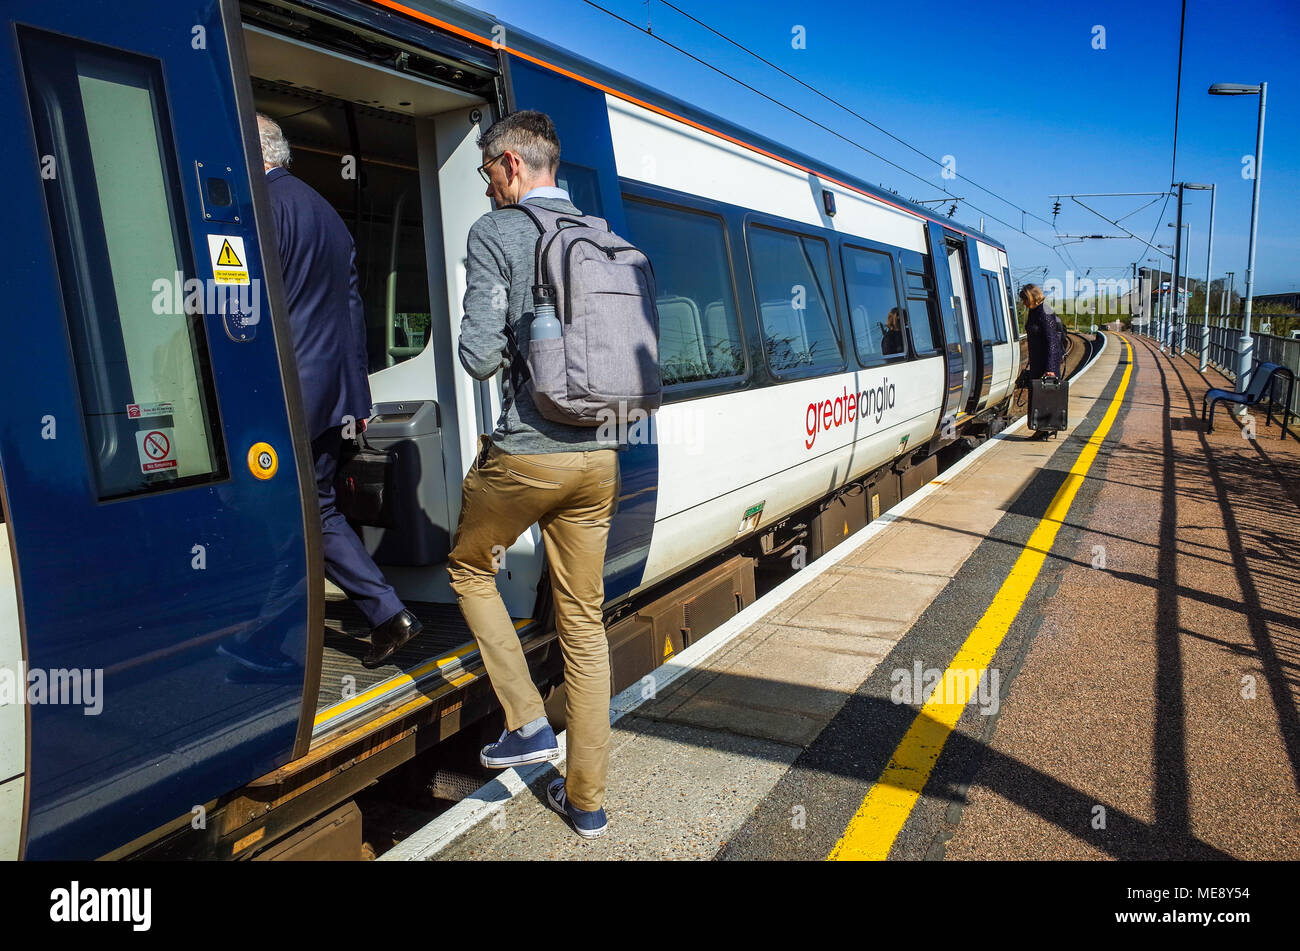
1173 171
1072 263
1178 85
822 126
1115 221
852 112
1143 207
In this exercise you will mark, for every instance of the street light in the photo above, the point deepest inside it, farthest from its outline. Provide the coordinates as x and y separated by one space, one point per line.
1177 316
1209 256
1159 277
1151 306
1246 346
1164 300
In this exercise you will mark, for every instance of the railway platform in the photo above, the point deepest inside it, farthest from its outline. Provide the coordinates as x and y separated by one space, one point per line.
1079 648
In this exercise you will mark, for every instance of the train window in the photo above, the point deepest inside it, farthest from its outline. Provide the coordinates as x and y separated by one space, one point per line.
998 319
121 243
1012 320
699 333
985 317
792 279
874 310
581 184
922 313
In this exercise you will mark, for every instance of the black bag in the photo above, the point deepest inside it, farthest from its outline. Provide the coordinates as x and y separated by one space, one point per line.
1049 403
363 483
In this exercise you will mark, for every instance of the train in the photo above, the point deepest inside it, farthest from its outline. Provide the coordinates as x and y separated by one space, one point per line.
823 341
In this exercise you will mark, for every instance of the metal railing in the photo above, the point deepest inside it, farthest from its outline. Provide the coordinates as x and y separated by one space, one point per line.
1225 334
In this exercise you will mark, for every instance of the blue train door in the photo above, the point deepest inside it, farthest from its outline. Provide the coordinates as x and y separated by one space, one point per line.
589 173
157 483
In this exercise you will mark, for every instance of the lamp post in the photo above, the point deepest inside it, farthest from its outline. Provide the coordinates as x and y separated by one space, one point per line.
1164 303
1177 314
1246 346
1153 316
1135 293
1209 257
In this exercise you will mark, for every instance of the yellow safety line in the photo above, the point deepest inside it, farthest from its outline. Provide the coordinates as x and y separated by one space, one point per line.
871 832
405 679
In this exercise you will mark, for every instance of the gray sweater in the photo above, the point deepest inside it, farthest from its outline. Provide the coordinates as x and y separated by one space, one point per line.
499 275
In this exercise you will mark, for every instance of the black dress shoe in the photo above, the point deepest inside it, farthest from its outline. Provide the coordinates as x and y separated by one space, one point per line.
388 638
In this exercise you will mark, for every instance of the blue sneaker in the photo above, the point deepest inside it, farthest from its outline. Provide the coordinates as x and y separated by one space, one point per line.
589 825
515 750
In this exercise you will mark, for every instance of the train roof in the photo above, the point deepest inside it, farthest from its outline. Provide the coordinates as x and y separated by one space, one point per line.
481 24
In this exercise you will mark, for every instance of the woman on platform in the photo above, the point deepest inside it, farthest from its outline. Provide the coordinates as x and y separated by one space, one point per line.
1045 334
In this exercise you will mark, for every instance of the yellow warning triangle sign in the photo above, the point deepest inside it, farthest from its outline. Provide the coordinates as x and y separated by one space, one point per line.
227 257
668 647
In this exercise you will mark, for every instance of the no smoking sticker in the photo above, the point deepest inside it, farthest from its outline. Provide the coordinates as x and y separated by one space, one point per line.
229 262
156 449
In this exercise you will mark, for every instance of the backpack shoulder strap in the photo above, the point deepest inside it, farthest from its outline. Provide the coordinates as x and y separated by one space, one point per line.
536 219
518 370
541 228
558 220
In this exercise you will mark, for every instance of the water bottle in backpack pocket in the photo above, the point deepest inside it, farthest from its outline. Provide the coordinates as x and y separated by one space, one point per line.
546 366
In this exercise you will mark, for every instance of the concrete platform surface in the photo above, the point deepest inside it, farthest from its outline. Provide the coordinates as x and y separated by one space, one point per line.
692 768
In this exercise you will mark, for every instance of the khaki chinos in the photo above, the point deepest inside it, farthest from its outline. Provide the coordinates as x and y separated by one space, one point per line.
572 497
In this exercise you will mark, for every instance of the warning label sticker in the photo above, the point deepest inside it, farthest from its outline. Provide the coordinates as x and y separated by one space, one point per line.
229 263
145 410
156 448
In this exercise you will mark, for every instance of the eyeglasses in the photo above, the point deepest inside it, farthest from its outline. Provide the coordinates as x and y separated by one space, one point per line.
482 169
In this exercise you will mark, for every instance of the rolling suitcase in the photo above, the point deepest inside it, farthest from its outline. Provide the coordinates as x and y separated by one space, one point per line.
1049 401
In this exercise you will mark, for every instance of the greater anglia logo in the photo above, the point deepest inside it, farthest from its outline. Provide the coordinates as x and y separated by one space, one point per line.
848 407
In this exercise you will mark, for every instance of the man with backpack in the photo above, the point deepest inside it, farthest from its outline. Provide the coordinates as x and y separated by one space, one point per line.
545 463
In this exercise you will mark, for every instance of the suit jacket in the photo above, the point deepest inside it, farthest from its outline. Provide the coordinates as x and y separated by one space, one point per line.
318 261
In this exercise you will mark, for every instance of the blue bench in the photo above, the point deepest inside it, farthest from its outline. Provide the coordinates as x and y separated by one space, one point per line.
1261 384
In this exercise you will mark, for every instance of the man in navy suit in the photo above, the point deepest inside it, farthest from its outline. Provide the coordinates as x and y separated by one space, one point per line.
318 261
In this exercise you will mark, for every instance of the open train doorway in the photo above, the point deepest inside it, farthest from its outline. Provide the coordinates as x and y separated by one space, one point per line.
391 146
352 131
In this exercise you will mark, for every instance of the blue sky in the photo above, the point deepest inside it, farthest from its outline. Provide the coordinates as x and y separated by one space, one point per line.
1015 91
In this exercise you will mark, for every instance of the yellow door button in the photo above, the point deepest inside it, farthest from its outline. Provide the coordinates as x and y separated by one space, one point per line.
262 460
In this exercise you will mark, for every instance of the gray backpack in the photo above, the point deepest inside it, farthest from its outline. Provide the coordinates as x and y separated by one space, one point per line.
605 365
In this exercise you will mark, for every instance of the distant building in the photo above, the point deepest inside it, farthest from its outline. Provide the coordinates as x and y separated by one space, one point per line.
1291 301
